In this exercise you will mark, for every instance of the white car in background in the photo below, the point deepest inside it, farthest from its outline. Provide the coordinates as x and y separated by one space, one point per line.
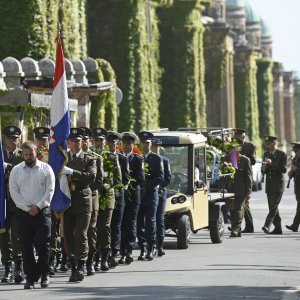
257 175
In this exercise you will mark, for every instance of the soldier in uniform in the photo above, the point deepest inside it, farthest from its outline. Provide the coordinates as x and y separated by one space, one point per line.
112 178
249 150
294 172
274 166
9 241
162 191
154 175
41 140
116 221
132 197
81 168
95 186
242 190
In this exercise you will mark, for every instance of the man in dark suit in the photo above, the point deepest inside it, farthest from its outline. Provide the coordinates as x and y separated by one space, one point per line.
154 176
294 172
274 166
249 150
242 190
162 191
116 221
132 197
9 241
81 168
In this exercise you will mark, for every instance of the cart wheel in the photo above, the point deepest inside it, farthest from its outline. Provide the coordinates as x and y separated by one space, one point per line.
217 230
183 232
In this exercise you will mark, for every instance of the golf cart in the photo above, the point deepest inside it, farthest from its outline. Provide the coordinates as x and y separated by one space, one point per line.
191 205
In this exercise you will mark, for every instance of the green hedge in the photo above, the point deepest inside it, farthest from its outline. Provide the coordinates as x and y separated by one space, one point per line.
183 100
265 97
124 32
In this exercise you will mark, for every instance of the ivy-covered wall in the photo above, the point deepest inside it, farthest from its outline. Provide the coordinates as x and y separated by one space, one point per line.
246 103
124 32
183 100
29 28
297 109
265 97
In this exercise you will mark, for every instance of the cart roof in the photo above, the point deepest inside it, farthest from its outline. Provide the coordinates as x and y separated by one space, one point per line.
179 137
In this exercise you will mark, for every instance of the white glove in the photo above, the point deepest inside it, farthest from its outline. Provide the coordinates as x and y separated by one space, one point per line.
5 165
67 171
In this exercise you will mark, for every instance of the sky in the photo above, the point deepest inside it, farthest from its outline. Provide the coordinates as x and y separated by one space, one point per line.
283 17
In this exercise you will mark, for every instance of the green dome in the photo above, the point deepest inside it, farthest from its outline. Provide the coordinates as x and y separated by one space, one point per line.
265 28
235 3
252 13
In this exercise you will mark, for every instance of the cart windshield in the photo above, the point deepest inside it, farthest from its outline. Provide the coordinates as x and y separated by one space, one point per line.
178 156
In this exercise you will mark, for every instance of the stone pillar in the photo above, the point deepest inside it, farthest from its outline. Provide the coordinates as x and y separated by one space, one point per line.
2 75
289 112
47 67
30 68
14 72
218 54
278 102
79 72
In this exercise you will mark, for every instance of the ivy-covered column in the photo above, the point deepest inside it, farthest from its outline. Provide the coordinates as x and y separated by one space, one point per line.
265 97
245 86
219 85
183 101
297 109
124 32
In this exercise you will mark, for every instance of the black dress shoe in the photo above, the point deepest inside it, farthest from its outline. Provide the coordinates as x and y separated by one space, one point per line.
161 252
73 277
276 231
18 276
234 234
45 281
265 229
292 227
90 270
29 285
128 258
113 262
248 230
149 255
121 261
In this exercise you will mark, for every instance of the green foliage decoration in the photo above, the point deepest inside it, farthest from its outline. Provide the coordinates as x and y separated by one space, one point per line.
265 97
183 100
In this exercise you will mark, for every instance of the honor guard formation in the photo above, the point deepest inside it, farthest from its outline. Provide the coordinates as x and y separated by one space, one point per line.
118 188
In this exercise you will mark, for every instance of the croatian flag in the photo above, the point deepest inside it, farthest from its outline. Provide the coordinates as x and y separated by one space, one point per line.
60 130
2 193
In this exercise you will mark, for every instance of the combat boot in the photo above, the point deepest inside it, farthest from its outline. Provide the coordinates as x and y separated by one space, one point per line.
80 270
129 258
89 265
73 277
159 244
18 272
150 252
97 261
293 227
51 265
113 260
142 254
104 260
7 277
58 261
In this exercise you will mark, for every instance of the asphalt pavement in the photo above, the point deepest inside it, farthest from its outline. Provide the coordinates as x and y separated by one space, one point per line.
255 266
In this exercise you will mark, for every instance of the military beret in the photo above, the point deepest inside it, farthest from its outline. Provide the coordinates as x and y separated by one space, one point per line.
42 132
88 133
269 138
239 131
76 133
100 133
128 137
156 141
13 131
145 136
113 136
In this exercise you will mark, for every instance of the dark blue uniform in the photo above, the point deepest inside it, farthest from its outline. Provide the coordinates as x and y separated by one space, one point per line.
160 219
146 221
119 206
132 203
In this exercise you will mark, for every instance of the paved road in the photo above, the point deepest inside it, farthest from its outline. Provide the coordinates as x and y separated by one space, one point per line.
256 266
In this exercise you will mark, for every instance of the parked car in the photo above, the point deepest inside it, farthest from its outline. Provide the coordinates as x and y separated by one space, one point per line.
257 175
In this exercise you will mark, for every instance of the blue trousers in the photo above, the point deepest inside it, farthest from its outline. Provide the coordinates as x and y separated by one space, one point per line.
160 215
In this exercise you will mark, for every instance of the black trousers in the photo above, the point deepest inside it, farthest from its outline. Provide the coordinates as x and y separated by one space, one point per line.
35 232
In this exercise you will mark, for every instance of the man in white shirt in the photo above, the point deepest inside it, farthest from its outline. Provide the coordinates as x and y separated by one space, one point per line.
31 185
